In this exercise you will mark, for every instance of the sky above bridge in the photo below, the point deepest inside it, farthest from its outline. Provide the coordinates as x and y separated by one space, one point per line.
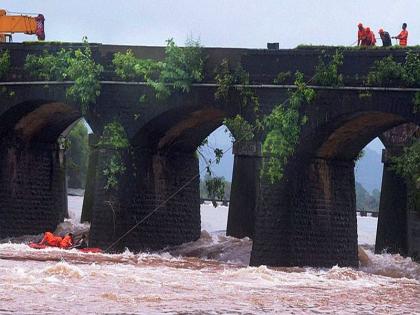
223 23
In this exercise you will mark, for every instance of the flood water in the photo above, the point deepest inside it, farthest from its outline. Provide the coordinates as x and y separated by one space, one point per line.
209 276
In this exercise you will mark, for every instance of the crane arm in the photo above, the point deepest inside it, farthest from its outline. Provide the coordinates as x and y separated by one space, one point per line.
10 24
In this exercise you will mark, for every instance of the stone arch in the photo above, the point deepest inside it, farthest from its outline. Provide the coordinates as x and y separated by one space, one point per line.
310 216
163 171
33 194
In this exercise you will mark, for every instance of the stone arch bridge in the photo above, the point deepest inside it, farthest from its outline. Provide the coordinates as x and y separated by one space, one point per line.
307 219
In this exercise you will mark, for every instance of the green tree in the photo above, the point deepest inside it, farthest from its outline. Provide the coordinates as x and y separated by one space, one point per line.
366 201
77 155
408 164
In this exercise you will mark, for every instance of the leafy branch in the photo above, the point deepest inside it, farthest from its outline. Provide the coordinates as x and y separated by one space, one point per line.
68 64
283 128
327 74
4 63
407 164
181 67
115 139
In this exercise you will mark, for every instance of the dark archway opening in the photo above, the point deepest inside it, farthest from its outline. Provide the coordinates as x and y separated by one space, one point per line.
344 144
167 159
33 166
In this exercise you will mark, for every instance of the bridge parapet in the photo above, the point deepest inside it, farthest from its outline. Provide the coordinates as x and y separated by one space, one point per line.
263 65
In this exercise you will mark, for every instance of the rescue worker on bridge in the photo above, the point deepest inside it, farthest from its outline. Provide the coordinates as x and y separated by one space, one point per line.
361 34
365 37
386 39
370 37
403 36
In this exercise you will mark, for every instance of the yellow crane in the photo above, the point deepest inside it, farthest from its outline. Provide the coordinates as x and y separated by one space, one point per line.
10 24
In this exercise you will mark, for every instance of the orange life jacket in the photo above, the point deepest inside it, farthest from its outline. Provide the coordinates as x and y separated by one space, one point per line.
360 34
403 36
66 242
366 37
372 39
51 239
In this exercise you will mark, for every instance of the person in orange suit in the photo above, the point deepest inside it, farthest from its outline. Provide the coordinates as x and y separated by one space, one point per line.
51 240
403 36
67 241
372 38
360 34
369 38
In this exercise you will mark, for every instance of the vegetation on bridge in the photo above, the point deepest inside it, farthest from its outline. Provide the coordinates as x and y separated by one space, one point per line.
4 69
228 81
283 128
4 63
73 65
181 67
408 164
327 73
387 72
283 125
115 140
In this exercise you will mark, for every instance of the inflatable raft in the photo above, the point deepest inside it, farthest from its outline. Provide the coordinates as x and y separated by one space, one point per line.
83 250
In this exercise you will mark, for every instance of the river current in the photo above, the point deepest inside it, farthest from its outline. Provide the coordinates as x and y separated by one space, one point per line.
209 276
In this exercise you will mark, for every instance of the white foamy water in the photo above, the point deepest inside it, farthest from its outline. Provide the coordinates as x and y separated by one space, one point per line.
208 276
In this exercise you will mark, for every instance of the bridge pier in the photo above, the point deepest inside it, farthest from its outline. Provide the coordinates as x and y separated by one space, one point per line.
243 196
413 225
398 228
32 188
309 219
391 234
148 186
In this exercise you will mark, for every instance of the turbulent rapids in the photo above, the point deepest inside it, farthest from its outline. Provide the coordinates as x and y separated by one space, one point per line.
209 276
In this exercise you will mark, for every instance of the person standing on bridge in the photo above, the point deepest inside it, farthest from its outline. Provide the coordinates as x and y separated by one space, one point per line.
370 37
361 34
403 35
386 39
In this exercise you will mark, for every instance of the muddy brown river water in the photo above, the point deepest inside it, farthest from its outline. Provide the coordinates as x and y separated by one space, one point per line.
209 276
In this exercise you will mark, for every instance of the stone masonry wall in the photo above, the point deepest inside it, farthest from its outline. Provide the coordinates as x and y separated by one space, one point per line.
31 190
148 181
391 232
315 221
